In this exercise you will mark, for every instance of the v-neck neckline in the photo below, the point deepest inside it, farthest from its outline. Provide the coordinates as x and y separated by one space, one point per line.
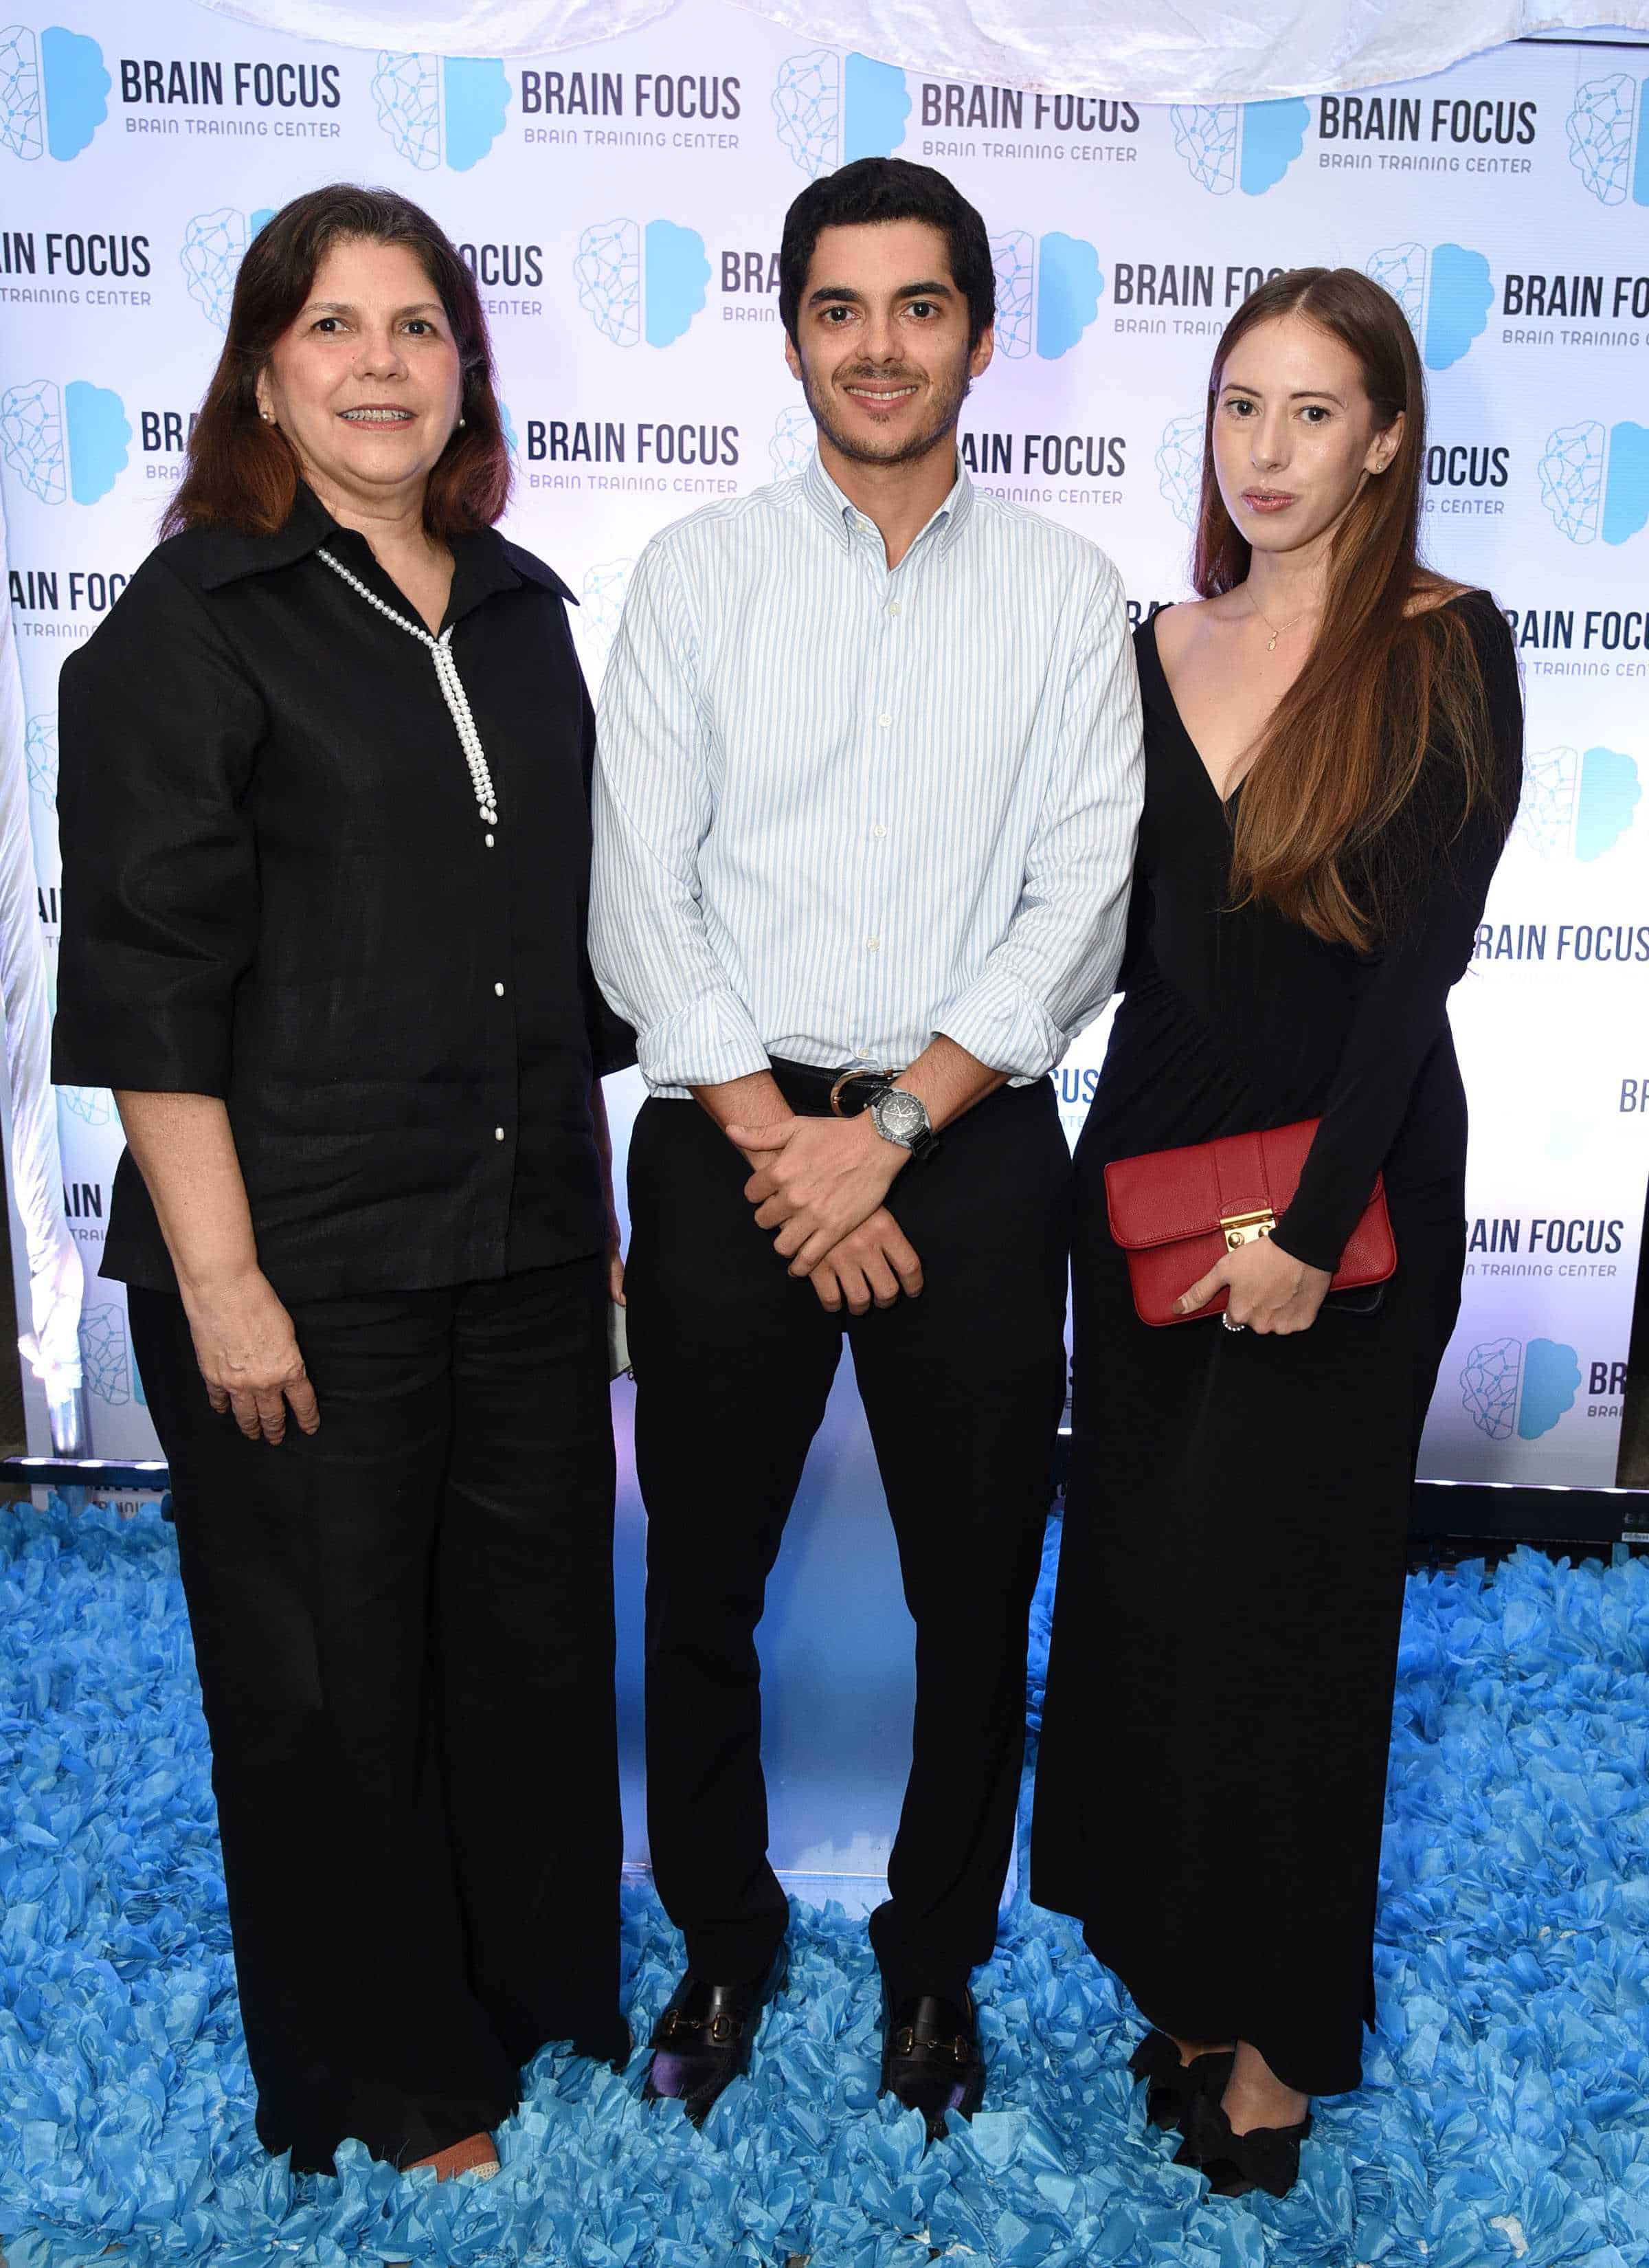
1223 803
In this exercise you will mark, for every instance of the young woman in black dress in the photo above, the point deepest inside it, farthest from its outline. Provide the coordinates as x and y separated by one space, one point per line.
1332 744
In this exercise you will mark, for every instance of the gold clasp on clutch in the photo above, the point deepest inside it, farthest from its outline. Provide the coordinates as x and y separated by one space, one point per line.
1247 1227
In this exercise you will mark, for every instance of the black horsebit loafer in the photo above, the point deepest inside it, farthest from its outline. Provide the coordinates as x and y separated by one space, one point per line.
931 2058
702 2040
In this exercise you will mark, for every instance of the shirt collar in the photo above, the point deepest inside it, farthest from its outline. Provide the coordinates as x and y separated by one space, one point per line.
486 562
225 554
483 561
842 518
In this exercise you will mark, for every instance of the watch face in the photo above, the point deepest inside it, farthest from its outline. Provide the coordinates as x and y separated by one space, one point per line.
901 1116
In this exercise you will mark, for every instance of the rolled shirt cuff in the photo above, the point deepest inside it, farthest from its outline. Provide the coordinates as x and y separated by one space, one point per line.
710 1041
998 1021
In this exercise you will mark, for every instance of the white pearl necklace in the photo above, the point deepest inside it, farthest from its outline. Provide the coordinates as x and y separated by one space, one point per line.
451 686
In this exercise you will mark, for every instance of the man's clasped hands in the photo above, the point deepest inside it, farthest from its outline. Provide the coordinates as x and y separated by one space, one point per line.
819 1183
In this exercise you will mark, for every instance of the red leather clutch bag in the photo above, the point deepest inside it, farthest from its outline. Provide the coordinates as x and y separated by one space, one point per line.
1174 1213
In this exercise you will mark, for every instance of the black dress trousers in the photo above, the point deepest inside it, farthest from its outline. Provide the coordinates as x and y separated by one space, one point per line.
404 1630
963 1387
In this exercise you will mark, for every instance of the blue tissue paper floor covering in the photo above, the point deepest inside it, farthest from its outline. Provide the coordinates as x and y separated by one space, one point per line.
1502 2120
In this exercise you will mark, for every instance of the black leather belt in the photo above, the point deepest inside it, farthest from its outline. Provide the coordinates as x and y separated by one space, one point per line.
816 1092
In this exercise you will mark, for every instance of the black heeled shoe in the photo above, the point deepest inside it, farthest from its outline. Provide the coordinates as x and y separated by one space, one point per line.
701 2042
1265 2158
931 2058
1169 2083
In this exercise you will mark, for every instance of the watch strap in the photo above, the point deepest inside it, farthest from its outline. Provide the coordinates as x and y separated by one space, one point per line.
921 1145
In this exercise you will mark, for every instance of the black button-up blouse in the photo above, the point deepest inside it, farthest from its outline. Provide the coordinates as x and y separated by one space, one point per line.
278 888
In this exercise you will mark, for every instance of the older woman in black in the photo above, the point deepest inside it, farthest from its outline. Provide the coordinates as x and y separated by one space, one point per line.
324 780
1333 744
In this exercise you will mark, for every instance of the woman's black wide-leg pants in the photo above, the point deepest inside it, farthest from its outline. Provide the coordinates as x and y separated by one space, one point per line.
404 1632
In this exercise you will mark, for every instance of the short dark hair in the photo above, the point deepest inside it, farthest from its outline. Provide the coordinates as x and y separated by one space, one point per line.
242 473
873 189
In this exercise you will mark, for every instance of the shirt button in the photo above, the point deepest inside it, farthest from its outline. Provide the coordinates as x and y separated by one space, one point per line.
498 989
879 831
893 605
498 1133
884 719
873 945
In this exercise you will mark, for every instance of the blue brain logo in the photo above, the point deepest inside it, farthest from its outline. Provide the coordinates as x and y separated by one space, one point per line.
54 94
92 1106
637 283
1048 292
60 443
600 609
440 106
1609 139
40 752
214 246
1610 793
1577 804
1239 145
832 108
1445 292
1551 1379
1594 480
792 443
1180 466
104 1353
1507 1387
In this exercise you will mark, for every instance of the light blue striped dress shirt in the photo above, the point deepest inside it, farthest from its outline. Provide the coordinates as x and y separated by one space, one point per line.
840 809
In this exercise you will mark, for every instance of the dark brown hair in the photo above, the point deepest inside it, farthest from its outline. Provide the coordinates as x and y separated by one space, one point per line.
243 473
1336 767
875 190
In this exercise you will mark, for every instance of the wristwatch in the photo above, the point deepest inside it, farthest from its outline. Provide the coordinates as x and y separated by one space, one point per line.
901 1117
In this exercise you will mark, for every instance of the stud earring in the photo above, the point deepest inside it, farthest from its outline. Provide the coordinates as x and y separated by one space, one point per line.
463 421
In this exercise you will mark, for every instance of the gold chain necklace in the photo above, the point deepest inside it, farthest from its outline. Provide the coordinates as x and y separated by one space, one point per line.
1276 629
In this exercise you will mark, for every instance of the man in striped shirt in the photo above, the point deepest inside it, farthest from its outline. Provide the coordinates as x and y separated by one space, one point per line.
868 783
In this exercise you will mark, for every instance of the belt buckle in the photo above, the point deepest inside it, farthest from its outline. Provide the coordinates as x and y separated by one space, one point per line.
848 1078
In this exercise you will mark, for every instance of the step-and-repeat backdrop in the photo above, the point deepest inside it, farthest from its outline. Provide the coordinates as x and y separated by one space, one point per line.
621 207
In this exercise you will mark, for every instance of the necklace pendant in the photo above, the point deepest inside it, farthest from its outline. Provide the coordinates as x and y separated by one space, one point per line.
1271 642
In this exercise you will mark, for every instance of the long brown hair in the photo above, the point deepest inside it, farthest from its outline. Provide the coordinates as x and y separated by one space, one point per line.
1338 765
243 473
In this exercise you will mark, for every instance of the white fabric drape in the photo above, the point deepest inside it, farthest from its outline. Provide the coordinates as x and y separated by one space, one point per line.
1196 51
56 1279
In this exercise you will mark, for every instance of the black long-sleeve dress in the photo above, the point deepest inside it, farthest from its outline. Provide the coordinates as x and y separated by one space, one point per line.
1211 1777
